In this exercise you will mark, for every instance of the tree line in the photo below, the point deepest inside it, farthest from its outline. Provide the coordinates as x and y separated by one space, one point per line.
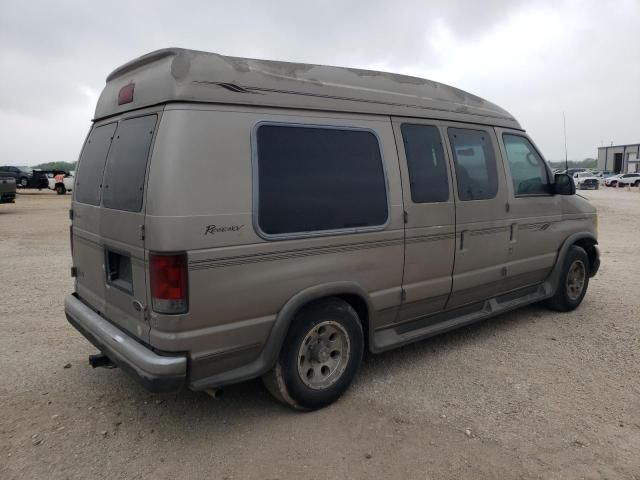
586 163
64 166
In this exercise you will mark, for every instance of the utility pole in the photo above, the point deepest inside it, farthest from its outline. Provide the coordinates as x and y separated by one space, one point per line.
566 158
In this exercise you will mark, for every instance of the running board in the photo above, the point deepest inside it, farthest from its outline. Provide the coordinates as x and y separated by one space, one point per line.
424 327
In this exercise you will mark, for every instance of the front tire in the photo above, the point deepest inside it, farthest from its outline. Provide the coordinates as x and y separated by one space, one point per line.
573 283
60 189
320 355
24 182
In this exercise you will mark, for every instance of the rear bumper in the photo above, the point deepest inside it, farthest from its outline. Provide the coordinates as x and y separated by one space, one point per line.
157 373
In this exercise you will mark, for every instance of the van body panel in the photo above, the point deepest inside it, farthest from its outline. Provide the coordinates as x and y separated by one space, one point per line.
109 249
535 232
88 259
178 75
217 230
429 238
482 233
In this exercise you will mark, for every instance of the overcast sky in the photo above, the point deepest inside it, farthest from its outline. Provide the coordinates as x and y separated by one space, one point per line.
534 58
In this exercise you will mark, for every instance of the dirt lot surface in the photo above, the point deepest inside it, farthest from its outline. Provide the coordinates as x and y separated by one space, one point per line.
530 394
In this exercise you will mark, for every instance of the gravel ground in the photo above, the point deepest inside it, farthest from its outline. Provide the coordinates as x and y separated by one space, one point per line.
530 394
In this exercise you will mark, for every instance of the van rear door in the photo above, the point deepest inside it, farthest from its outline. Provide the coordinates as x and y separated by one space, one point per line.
108 221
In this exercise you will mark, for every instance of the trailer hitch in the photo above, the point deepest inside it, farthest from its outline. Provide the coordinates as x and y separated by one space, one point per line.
101 360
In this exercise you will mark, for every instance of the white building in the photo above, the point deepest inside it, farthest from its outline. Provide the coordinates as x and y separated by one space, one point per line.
620 158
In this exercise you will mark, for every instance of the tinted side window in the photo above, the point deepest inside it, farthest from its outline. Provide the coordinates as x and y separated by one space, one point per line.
91 165
528 171
426 163
475 163
127 163
313 179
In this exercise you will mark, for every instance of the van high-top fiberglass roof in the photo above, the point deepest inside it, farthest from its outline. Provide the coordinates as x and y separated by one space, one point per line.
179 75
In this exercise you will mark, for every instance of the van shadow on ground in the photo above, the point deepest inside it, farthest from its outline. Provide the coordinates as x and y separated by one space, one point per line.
247 399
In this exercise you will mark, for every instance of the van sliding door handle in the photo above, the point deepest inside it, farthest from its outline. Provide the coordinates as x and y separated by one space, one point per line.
462 235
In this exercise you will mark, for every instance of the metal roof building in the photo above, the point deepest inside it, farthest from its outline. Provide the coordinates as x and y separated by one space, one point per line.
619 158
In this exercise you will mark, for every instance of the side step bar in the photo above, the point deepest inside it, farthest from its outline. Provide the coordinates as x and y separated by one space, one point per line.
425 327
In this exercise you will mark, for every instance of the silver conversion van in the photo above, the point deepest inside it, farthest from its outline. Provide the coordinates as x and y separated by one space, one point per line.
235 218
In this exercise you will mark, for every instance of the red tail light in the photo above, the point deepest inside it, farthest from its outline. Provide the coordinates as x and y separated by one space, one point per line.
168 275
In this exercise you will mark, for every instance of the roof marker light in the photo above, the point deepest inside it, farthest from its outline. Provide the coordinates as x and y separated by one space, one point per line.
126 94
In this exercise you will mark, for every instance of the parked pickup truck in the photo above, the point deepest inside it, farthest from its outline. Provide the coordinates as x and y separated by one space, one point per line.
61 182
7 189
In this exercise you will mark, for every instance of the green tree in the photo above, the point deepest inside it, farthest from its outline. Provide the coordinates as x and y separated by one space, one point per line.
66 166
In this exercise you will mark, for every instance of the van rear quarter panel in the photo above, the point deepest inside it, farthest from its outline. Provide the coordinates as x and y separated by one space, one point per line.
199 199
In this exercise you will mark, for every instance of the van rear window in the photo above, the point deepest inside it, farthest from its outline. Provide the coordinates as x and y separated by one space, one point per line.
127 163
88 181
313 179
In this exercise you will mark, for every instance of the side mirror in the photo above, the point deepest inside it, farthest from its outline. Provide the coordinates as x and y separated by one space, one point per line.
564 185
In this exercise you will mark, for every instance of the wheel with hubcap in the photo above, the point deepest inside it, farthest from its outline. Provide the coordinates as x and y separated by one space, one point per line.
574 281
320 356
24 182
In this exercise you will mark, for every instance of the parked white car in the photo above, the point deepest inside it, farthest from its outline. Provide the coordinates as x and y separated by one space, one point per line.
623 179
61 187
632 179
613 180
586 180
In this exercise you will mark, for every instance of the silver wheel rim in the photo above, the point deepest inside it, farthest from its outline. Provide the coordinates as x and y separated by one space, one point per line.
323 355
575 279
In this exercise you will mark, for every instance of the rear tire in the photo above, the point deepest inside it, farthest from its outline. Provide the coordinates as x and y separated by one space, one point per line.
60 189
24 182
320 356
574 281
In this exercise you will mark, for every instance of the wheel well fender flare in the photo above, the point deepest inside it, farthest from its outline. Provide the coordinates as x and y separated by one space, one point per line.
580 239
294 304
